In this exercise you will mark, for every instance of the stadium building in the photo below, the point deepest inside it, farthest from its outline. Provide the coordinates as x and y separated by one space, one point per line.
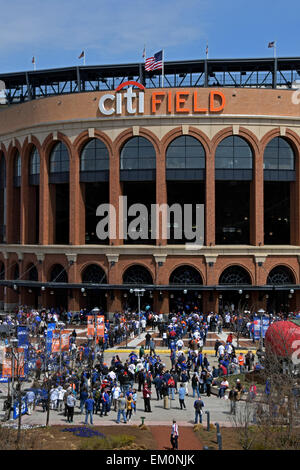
220 133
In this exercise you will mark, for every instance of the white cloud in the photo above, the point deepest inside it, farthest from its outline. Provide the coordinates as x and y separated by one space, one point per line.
111 28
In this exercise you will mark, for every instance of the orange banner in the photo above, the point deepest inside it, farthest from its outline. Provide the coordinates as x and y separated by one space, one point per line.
8 362
58 343
91 326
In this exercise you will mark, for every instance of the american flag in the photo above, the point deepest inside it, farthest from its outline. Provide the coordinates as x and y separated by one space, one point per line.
271 44
81 55
33 60
155 62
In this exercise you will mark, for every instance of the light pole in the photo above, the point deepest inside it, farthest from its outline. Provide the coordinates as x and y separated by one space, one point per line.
13 343
60 325
95 312
139 293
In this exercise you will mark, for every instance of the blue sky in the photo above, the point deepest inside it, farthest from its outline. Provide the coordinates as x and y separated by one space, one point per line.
114 31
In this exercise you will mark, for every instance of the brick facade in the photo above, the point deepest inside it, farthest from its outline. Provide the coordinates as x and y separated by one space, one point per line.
256 115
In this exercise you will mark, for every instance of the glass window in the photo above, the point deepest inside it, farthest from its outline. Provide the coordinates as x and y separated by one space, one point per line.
59 158
34 168
185 152
94 156
279 155
18 164
234 152
138 154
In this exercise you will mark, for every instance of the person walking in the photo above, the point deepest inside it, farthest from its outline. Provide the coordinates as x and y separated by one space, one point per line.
129 406
71 402
181 394
147 396
198 405
121 408
89 406
233 396
174 435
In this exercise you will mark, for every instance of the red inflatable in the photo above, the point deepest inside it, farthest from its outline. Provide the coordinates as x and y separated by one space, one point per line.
283 338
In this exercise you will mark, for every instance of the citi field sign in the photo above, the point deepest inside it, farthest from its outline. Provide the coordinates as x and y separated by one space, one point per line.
132 102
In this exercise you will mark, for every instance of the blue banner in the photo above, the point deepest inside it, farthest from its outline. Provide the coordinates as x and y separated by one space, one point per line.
24 408
259 327
50 328
23 337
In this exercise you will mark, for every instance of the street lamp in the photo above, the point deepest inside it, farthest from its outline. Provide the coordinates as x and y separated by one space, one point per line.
95 312
13 344
139 293
60 325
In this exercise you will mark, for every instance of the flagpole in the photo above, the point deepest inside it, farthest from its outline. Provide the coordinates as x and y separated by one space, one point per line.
163 68
275 55
84 57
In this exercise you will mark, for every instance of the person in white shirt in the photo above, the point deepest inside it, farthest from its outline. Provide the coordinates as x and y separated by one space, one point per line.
53 398
179 344
116 390
221 350
174 435
112 375
61 393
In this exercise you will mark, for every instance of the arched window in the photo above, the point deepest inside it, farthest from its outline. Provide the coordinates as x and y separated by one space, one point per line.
2 271
185 152
32 273
137 275
280 275
94 156
279 155
2 199
94 274
34 162
233 153
59 159
138 154
17 167
235 275
58 274
16 273
185 275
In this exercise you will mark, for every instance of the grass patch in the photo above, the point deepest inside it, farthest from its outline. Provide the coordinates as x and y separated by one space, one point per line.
107 443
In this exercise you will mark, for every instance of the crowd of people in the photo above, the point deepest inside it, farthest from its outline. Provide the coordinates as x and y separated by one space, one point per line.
80 377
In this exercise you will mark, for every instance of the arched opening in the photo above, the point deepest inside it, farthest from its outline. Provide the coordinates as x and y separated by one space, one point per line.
233 297
137 276
94 297
279 177
2 278
59 193
2 198
94 185
185 174
187 297
32 293
280 300
34 197
137 176
233 174
58 297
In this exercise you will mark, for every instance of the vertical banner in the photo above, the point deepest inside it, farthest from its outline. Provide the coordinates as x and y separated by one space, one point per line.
90 325
19 359
24 408
50 329
23 337
60 341
100 325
